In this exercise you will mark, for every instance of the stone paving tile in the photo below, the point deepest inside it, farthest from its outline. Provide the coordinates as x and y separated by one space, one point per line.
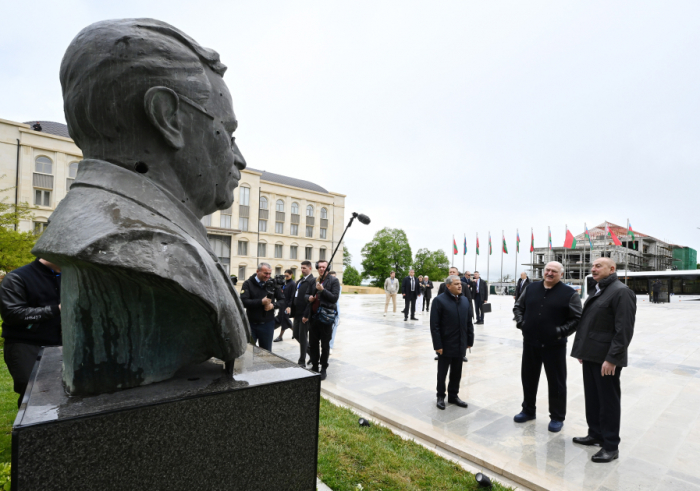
390 362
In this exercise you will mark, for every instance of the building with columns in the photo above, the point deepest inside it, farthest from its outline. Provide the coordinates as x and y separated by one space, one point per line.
275 219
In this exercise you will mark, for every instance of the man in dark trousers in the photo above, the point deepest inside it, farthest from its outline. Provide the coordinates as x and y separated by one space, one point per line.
603 336
288 290
547 312
656 289
521 285
30 304
325 296
466 292
453 332
410 288
427 293
260 302
305 287
480 294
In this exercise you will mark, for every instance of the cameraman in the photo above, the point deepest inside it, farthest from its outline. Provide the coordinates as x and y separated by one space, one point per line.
260 296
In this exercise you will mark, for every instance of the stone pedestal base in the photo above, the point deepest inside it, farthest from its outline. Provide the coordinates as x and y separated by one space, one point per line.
201 430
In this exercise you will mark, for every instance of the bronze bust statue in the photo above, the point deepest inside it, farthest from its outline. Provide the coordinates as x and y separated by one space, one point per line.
143 294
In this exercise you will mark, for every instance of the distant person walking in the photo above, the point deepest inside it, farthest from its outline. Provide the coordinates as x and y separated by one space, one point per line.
410 288
547 312
656 289
427 293
391 288
480 293
452 332
603 336
288 290
419 299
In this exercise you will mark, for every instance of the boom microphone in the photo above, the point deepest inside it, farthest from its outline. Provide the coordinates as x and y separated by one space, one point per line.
364 219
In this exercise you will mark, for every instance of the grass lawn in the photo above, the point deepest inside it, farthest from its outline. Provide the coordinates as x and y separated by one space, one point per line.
8 407
377 459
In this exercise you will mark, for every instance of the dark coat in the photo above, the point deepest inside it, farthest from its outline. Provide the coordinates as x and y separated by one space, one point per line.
289 289
451 325
303 290
656 286
483 290
428 288
607 324
252 294
329 296
520 287
406 288
467 288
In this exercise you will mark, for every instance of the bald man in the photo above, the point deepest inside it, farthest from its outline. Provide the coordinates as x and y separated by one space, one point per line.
603 336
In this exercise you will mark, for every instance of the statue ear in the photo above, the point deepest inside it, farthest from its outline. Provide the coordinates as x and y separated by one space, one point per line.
161 105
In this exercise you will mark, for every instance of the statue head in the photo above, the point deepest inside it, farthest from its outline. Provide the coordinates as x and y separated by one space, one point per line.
143 95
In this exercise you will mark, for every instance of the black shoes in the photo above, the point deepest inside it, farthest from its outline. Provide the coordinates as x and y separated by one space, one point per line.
405 319
479 322
441 403
413 319
464 358
277 339
587 440
604 456
323 374
457 401
436 358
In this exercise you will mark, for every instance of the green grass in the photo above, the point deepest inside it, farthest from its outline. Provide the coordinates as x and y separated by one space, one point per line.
8 406
377 459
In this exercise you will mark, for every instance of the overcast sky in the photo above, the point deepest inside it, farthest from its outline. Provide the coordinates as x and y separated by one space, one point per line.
439 118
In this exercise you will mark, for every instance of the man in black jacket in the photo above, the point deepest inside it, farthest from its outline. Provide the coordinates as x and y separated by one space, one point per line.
453 332
427 293
30 304
288 290
547 312
522 284
466 292
410 288
260 305
304 289
326 296
604 334
480 294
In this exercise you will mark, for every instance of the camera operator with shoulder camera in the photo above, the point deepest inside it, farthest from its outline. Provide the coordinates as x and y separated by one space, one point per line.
261 295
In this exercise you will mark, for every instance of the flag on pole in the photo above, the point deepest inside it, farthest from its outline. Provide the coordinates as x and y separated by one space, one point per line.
465 244
631 232
505 247
549 233
490 248
532 241
613 236
570 241
454 246
477 244
587 235
517 241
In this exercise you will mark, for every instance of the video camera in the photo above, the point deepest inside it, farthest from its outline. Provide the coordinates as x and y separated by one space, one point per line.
273 284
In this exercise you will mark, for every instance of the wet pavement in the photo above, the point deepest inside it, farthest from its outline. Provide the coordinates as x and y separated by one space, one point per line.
386 366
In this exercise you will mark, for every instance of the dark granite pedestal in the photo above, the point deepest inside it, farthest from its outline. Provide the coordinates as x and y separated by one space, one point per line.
201 430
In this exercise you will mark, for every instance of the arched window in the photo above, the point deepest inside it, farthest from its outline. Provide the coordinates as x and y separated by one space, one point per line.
295 208
244 196
263 203
72 170
279 206
43 165
310 211
324 213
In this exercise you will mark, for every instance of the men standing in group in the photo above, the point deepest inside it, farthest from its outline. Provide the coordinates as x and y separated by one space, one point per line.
453 332
260 306
604 334
324 300
547 312
480 294
303 290
427 293
391 288
521 285
288 290
410 290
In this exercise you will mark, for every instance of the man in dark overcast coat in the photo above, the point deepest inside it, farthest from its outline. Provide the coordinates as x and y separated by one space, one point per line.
410 288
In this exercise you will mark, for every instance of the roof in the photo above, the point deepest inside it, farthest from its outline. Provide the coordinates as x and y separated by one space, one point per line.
51 127
599 231
289 181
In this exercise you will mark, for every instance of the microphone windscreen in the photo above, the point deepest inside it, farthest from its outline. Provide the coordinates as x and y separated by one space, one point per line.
363 219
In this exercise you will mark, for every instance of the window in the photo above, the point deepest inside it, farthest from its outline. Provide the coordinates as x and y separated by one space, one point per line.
43 165
323 233
309 231
241 272
263 203
262 249
42 198
322 254
39 227
294 229
244 197
225 221
279 206
308 252
206 220
221 245
243 224
73 170
293 252
295 208
309 211
278 251
242 247
324 213
279 227
278 271
262 226
294 273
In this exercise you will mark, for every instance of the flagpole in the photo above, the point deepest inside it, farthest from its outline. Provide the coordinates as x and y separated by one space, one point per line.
583 257
476 251
453 251
566 226
503 238
532 252
464 256
517 246
488 258
627 260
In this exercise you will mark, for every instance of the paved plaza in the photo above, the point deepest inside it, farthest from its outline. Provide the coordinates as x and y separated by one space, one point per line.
385 366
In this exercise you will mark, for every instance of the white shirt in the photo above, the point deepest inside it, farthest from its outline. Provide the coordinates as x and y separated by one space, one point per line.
296 294
413 284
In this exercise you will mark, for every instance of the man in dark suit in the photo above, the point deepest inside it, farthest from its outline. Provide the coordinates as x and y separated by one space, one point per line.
453 332
522 283
466 292
427 293
410 289
304 289
603 336
480 294
288 289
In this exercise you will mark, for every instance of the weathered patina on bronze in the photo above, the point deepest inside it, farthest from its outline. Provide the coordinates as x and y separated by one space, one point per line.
143 293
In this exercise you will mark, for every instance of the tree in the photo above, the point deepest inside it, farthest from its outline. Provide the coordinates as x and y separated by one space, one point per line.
15 247
388 251
351 276
434 264
347 257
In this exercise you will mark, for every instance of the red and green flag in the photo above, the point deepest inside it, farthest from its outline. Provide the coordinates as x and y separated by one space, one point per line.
532 241
490 248
549 233
570 241
465 244
517 241
630 232
454 246
613 236
505 247
587 235
477 244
